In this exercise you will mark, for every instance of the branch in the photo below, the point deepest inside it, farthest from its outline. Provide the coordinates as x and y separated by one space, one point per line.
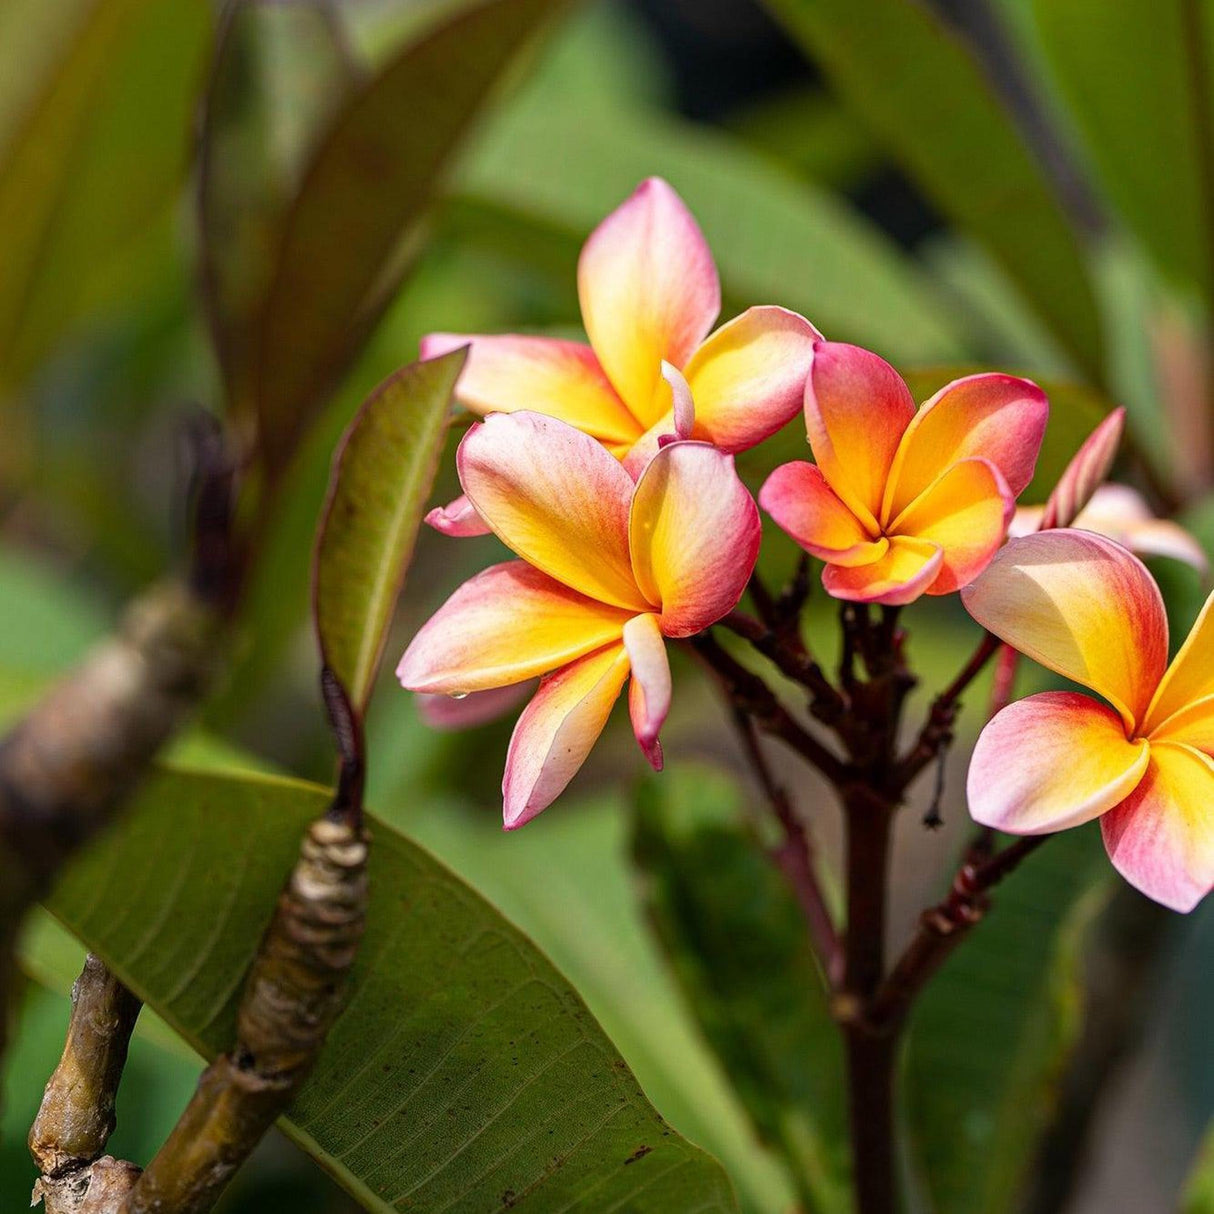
937 731
944 926
76 1117
748 691
795 855
294 993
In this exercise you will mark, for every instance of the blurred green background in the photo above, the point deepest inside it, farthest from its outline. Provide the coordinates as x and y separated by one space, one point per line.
796 176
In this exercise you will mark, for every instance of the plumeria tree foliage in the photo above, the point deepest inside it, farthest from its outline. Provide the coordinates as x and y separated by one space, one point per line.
714 975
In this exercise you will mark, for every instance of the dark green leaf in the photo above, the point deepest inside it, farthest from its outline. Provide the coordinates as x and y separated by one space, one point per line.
1136 76
382 475
989 1034
465 1073
923 94
739 946
280 72
366 189
91 160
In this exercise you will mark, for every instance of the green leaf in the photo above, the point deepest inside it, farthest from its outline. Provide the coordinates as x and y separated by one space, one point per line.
775 239
92 159
989 1034
926 98
280 72
1145 115
382 475
371 181
1199 1191
739 947
465 1073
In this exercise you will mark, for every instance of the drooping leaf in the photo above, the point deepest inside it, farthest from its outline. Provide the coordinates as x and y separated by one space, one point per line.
342 248
1136 78
925 97
382 474
776 240
95 149
990 1032
738 944
280 72
465 1073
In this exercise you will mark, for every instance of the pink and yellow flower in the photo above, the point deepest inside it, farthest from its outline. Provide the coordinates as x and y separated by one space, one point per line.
1143 761
609 570
649 295
902 503
1122 513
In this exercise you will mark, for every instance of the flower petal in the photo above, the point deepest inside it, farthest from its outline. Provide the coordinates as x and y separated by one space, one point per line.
458 519
1192 725
649 291
555 497
683 408
996 417
557 731
857 408
1082 606
1122 514
1160 838
649 695
1080 481
507 624
748 378
907 569
1190 677
451 713
966 511
562 379
694 533
797 496
1051 761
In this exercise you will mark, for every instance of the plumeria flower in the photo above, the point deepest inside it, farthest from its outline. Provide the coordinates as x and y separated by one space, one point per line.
650 294
1122 514
902 503
1084 607
609 570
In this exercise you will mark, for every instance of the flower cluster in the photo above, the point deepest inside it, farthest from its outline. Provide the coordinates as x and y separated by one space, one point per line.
607 469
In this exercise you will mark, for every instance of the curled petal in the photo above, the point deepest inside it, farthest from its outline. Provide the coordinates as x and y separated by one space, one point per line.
857 408
459 519
555 497
1082 606
694 536
1190 677
557 731
683 406
995 417
907 569
1051 761
649 291
1083 476
449 713
748 378
1159 837
797 496
562 379
507 624
966 512
649 694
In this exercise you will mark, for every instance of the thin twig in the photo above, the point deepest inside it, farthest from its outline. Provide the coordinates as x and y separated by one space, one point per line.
795 854
944 926
750 693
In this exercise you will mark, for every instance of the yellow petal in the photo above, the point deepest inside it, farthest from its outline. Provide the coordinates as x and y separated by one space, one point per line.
1080 605
907 569
1191 674
557 498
